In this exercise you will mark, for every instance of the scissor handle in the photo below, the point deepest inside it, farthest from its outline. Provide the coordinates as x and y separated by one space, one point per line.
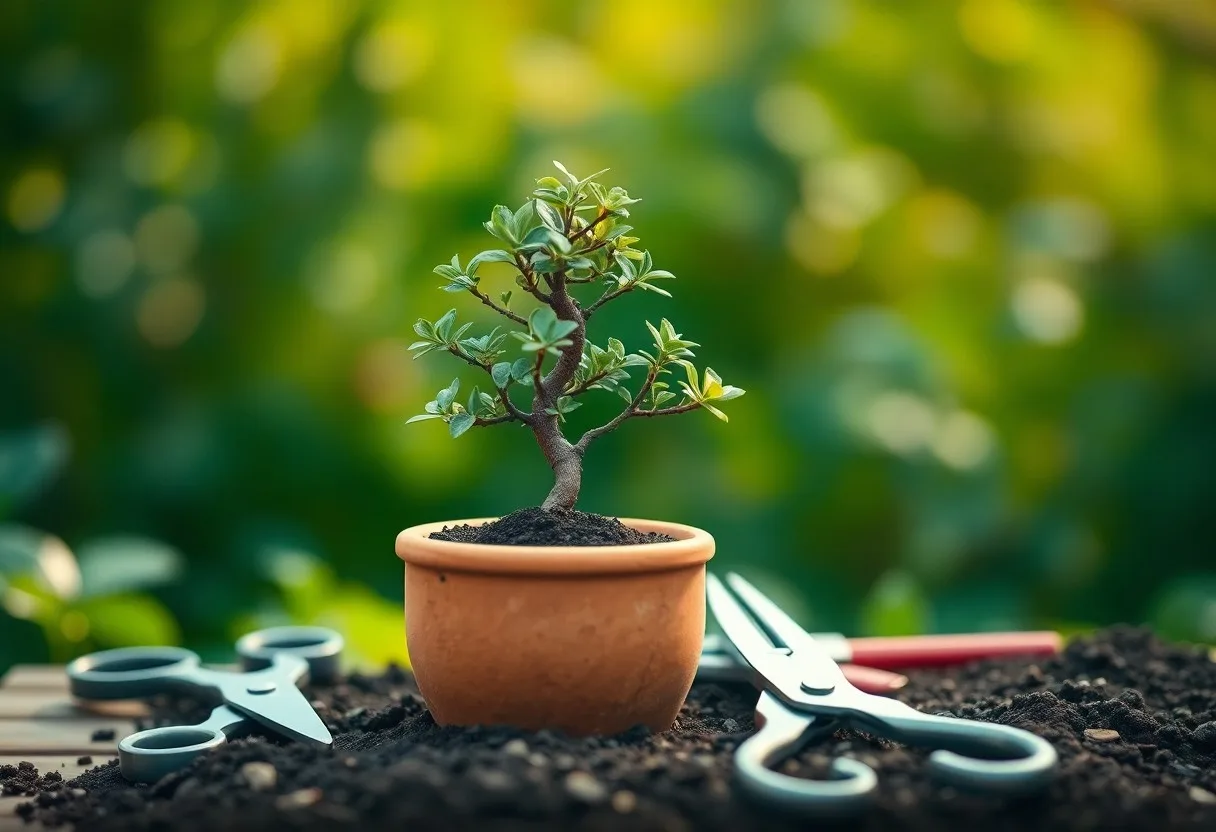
981 756
130 672
321 647
782 732
147 756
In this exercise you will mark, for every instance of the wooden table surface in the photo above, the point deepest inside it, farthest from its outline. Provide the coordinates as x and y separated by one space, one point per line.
41 723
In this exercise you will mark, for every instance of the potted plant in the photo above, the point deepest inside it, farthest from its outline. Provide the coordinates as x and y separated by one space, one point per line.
550 617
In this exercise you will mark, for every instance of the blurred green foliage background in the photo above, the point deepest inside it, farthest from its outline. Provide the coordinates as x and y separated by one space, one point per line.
961 255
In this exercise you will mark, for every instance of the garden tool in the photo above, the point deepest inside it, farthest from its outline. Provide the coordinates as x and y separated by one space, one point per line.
805 697
263 693
869 663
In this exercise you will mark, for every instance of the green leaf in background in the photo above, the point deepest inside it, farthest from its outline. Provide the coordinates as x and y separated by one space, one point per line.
125 564
29 460
42 556
128 620
895 606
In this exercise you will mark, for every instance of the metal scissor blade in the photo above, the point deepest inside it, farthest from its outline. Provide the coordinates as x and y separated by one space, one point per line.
747 637
814 668
769 614
284 711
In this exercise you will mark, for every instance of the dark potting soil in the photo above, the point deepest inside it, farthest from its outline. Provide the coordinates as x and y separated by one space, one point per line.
1134 721
557 527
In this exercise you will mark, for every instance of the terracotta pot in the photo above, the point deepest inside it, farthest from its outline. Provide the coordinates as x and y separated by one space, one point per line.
582 639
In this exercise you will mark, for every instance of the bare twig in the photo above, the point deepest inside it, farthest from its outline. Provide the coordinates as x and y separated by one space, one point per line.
610 294
603 215
506 313
595 433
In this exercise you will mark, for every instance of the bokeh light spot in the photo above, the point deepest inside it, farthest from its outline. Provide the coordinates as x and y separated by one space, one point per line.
1000 30
385 376
963 440
342 277
404 154
900 421
158 151
556 83
795 120
850 191
35 199
1047 310
74 625
104 262
250 65
170 311
392 54
946 224
818 248
166 238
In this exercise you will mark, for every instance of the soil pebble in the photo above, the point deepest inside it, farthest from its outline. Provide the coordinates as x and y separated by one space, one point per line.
393 768
102 735
557 527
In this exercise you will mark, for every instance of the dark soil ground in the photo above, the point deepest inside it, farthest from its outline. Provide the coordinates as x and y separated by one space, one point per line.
1134 721
536 527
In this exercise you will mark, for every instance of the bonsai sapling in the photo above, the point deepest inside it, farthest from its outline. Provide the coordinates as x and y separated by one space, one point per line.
568 239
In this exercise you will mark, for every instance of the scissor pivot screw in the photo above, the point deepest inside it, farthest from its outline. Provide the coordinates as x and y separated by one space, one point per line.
262 687
817 688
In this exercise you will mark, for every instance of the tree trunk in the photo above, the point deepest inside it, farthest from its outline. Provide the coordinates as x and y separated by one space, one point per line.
565 460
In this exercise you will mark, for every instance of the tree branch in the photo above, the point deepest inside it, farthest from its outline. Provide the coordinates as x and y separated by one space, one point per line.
603 215
506 313
586 385
610 294
595 433
512 410
479 422
530 280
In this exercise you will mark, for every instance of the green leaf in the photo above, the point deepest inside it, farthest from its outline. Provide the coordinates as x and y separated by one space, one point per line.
129 620
501 373
125 564
30 459
422 417
443 326
895 606
521 370
523 219
648 288
494 255
448 395
569 176
505 297
549 216
425 329
501 225
715 412
460 423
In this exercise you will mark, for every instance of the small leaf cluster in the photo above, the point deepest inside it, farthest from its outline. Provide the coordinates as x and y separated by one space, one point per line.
481 407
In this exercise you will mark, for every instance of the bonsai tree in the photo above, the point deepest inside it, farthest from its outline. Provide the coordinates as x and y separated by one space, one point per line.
569 236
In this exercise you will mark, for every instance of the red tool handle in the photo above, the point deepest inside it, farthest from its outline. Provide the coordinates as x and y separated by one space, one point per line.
872 679
941 651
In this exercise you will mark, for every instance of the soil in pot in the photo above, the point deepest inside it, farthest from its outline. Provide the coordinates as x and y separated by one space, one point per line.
1134 720
556 527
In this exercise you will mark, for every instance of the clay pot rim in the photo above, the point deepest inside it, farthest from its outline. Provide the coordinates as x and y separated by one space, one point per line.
692 546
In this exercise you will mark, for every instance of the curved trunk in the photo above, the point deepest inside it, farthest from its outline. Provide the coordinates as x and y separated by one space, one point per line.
568 474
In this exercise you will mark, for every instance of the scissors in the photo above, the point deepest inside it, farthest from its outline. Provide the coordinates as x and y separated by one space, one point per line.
805 697
263 693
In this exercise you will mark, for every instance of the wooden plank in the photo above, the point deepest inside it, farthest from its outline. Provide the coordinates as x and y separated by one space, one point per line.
36 677
24 703
61 737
